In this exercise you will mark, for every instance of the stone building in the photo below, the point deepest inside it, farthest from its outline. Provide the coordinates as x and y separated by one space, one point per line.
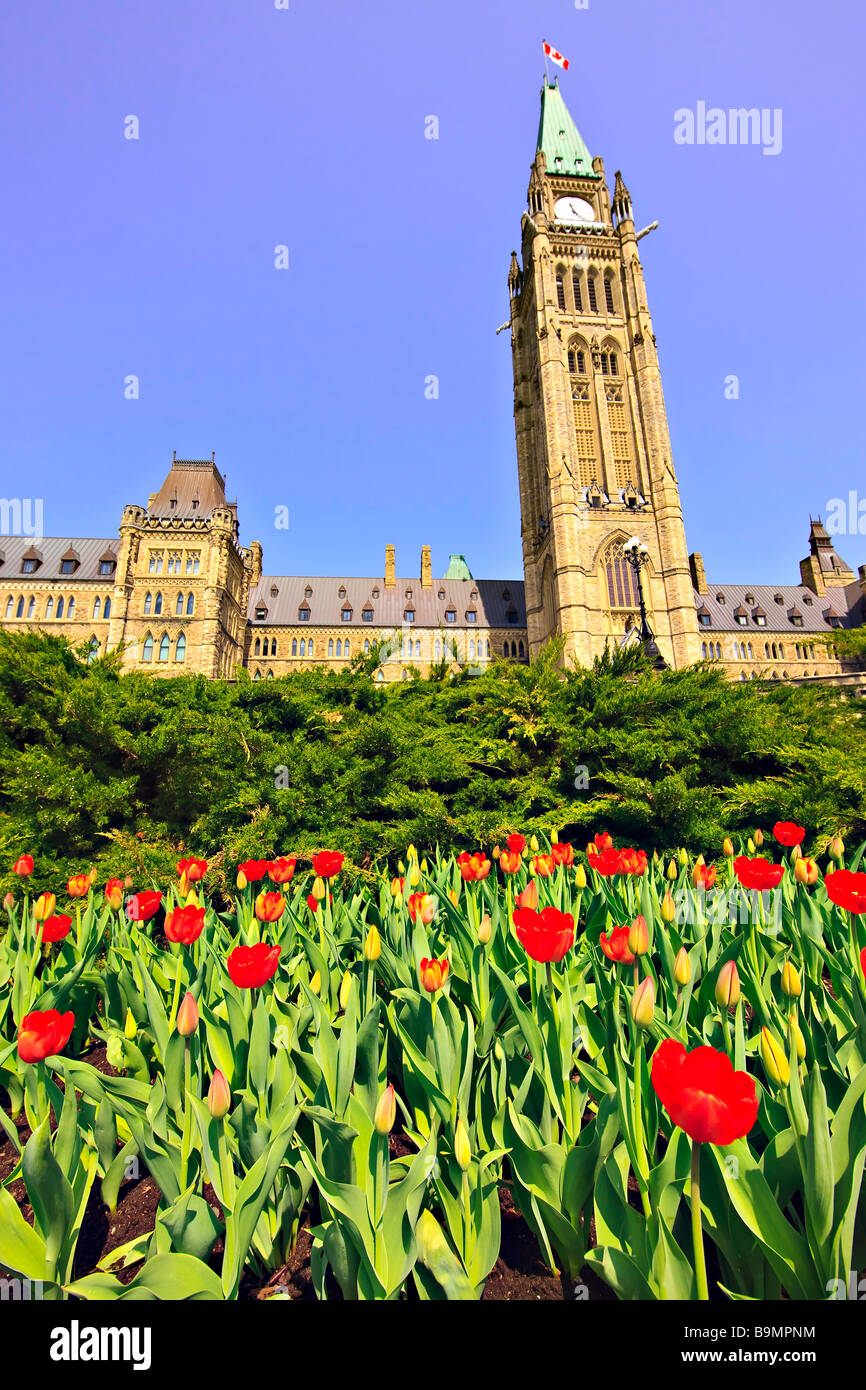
176 590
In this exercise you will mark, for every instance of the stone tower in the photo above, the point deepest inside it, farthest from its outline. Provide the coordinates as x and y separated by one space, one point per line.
593 449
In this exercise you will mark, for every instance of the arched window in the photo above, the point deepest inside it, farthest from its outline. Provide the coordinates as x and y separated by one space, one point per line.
269 676
620 579
346 651
294 646
265 647
590 289
180 648
31 606
608 294
157 604
190 604
49 607
472 649
178 607
330 646
70 608
273 646
339 647
560 292
147 648
438 651
93 649
106 608
367 646
750 651
97 604
487 651
303 647
575 288
257 676
704 650
775 652
148 604
10 605
520 649
59 608
310 647
257 647
164 647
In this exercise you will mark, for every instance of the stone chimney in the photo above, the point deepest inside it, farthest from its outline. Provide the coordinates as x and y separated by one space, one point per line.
390 567
699 574
426 568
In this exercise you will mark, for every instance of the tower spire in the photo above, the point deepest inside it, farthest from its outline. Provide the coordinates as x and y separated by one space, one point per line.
558 136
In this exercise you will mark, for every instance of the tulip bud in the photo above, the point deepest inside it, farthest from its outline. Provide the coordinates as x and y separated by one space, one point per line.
462 1147
728 985
668 908
411 852
759 838
836 847
9 901
401 867
316 982
183 886
373 944
485 929
529 896
187 1016
386 1112
92 876
130 1027
396 887
414 875
682 967
496 851
750 845
774 1059
643 1002
638 937
796 853
683 858
114 894
791 985
319 889
656 857
806 870
219 1096
672 870
533 844
799 1040
727 848
345 989
241 881
128 881
44 906
424 868
580 876
453 897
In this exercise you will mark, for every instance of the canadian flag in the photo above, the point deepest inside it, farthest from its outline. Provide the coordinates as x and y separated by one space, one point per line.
555 56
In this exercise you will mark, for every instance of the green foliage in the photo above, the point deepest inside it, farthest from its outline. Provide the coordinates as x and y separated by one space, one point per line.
128 770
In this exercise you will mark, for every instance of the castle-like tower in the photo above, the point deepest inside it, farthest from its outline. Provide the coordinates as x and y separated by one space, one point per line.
593 449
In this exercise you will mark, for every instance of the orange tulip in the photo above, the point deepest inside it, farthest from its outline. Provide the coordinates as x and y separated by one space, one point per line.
78 886
433 973
270 907
529 896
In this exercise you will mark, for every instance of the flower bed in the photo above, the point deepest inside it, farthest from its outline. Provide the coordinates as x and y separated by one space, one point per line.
648 1078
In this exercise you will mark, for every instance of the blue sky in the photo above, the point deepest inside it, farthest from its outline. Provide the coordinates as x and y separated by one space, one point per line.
304 127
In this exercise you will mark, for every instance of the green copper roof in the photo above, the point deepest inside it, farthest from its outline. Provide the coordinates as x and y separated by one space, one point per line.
560 138
457 568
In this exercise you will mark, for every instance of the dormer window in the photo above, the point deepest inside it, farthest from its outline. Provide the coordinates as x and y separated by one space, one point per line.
69 562
778 598
720 598
441 593
408 593
760 617
506 594
274 591
808 600
308 593
796 618
195 504
408 615
108 562
173 503
375 593
346 615
367 614
704 617
741 616
31 561
303 613
750 598
341 592
450 615
261 613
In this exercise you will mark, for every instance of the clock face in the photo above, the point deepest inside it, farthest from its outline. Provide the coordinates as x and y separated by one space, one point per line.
574 210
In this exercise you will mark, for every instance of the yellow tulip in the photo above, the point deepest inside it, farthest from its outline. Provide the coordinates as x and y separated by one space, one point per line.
672 870
345 989
682 967
580 876
319 889
386 1112
643 1002
373 944
727 848
462 1148
774 1059
668 908
728 985
485 929
316 982
791 981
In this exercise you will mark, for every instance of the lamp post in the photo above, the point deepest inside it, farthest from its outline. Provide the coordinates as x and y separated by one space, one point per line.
637 555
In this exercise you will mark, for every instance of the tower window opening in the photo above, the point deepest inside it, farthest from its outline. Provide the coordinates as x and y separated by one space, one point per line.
578 297
590 289
560 293
608 295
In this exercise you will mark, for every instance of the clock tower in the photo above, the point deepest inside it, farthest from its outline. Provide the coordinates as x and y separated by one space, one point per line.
593 449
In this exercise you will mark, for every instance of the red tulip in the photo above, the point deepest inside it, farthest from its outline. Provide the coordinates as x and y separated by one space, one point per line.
602 842
42 1034
328 863
23 865
78 886
562 853
703 1094
516 844
758 874
251 966
312 903
142 906
270 907
184 924
114 893
847 889
633 861
281 870
253 870
704 875
788 833
193 870
434 973
473 866
863 962
510 861
56 928
529 896
545 936
617 948
421 907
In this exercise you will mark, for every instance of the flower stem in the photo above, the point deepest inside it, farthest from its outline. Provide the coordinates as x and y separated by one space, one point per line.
697 1231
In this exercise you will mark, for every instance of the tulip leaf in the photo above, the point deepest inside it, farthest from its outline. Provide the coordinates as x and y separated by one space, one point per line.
21 1248
818 1177
49 1191
436 1254
164 1278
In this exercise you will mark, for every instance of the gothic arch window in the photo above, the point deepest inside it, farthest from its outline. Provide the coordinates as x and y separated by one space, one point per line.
310 647
180 648
303 647
575 289
148 604
106 608
147 648
70 608
704 650
560 292
257 676
269 676
339 646
49 607
619 419
273 646
619 585
583 413
157 604
346 652
93 648
265 647
178 607
591 294
10 605
31 606
257 647
330 646
608 294
59 607
520 649
164 647
294 646
97 605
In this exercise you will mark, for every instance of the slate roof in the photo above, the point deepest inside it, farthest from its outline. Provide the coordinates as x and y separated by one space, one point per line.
845 602
326 605
51 549
193 488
